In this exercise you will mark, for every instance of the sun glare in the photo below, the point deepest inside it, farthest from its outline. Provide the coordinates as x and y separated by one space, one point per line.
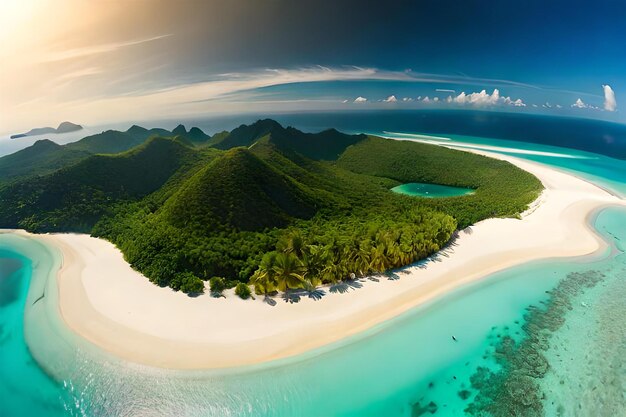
16 14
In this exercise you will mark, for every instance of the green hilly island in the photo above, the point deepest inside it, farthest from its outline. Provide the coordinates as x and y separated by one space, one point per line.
264 205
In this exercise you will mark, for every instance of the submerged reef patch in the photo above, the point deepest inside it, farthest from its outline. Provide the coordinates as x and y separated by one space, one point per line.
514 389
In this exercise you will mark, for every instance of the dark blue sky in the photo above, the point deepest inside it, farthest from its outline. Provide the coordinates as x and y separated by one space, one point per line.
575 46
539 42
150 58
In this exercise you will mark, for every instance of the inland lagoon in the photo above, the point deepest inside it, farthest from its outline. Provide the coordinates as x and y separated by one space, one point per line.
431 190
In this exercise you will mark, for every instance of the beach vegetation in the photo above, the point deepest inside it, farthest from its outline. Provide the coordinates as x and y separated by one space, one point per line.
242 290
217 285
189 283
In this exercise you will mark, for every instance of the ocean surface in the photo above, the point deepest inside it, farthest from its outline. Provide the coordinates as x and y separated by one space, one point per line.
547 338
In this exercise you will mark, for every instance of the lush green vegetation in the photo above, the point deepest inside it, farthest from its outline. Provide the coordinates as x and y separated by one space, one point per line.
243 291
217 285
74 198
327 251
273 207
502 190
326 145
45 156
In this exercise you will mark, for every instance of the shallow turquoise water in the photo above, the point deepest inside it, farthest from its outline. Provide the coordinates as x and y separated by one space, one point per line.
384 371
431 190
25 389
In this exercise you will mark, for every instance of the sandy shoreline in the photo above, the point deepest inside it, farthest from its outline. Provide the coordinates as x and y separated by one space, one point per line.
105 301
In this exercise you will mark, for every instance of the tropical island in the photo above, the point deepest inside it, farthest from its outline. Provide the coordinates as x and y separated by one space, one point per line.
315 209
64 127
262 205
319 225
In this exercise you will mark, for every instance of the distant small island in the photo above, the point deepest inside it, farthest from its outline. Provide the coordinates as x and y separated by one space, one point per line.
64 127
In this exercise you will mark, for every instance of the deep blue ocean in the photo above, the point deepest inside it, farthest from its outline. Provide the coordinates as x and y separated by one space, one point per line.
408 366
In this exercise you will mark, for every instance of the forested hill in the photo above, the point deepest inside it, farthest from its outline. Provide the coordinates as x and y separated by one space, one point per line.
263 204
74 198
239 191
45 156
326 145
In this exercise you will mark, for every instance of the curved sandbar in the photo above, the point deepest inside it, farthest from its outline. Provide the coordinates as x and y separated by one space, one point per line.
104 300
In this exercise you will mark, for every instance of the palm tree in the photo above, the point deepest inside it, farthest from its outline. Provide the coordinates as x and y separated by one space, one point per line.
394 254
311 265
361 257
377 258
289 271
264 278
327 262
293 243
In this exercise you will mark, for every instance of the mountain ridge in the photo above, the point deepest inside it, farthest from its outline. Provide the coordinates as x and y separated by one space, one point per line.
20 163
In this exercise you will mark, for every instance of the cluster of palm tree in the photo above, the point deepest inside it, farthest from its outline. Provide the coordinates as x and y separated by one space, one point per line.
330 252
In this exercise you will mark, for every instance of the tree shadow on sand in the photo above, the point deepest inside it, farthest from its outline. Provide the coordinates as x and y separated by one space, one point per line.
345 286
392 276
316 294
269 300
291 297
294 296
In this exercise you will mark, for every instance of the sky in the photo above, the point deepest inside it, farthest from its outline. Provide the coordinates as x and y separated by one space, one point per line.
107 61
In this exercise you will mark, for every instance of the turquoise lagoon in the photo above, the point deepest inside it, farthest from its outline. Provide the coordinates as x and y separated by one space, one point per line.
426 190
402 367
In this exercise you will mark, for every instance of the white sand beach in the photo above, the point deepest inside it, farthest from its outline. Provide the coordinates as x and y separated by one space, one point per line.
113 306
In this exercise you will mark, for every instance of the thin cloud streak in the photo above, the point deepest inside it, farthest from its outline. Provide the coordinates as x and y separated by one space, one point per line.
80 73
96 49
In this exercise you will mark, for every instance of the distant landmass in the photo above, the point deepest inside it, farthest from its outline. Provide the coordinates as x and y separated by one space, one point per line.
64 127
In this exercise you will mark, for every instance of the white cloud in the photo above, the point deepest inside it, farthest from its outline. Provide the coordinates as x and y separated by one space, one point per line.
483 98
360 99
558 106
610 104
344 101
478 99
407 99
580 104
517 103
390 99
436 99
